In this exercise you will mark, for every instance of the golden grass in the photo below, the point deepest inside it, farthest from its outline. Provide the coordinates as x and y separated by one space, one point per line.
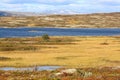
86 52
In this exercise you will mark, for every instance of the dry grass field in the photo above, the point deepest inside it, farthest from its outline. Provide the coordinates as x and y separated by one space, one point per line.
63 51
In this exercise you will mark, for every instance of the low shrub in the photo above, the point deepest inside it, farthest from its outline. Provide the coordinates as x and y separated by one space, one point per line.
4 58
45 37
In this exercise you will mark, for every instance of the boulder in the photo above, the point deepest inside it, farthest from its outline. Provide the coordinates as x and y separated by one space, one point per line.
66 72
69 71
58 74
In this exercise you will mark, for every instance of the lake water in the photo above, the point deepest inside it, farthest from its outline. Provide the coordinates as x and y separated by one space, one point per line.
39 68
32 32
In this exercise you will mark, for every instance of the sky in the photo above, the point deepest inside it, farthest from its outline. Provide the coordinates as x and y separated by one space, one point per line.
70 6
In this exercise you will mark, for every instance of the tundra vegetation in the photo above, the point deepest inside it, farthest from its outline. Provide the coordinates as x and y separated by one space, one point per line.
45 37
63 51
94 58
81 74
101 20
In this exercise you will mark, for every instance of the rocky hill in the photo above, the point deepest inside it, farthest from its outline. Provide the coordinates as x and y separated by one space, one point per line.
2 13
98 20
17 14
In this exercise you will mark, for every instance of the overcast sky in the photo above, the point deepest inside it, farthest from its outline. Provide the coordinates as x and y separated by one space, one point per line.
80 6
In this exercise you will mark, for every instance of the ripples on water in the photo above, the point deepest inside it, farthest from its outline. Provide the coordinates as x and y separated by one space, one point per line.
32 32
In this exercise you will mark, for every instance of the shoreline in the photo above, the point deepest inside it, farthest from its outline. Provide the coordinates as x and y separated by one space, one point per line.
60 37
60 66
62 27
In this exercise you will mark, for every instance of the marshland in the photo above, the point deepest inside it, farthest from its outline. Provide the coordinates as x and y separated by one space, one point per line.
89 52
96 54
64 51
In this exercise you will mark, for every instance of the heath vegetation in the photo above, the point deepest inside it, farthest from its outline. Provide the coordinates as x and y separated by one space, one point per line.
63 51
101 20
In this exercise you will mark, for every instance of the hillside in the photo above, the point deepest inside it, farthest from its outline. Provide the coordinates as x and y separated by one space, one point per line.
2 13
98 20
17 14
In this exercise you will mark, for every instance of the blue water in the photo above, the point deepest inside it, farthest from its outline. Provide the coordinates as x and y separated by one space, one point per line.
39 68
32 32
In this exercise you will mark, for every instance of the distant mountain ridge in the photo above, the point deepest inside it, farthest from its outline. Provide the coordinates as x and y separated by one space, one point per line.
2 13
50 12
10 13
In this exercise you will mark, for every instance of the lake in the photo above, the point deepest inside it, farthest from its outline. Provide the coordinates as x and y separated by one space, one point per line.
33 32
